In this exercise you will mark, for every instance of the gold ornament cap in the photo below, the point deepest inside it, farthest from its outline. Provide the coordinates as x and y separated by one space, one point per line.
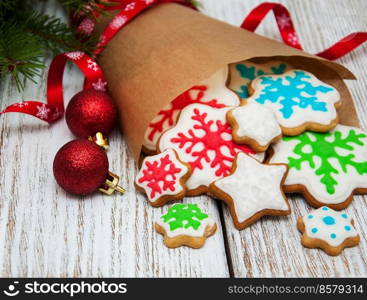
111 185
100 140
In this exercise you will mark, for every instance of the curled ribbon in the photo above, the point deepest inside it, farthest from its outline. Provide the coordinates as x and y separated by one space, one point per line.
289 35
94 79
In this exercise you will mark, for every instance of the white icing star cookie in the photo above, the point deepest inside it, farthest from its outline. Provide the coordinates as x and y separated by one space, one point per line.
255 125
162 177
185 225
299 100
328 229
252 190
328 168
212 92
242 73
203 138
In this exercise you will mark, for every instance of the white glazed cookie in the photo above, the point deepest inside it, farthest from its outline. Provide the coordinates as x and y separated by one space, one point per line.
162 177
203 138
299 100
326 167
328 229
252 190
255 125
185 225
212 92
242 73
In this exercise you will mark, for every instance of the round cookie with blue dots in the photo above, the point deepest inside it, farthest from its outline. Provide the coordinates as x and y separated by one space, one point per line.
329 230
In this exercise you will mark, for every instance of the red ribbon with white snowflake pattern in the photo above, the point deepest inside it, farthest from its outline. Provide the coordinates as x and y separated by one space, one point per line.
54 108
289 35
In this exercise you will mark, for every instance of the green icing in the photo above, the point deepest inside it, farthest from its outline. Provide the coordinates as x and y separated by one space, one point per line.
323 145
184 216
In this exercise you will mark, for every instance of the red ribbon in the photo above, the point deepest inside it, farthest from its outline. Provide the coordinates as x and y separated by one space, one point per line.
54 108
289 35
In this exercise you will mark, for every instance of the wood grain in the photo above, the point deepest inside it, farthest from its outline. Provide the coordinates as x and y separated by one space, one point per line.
45 232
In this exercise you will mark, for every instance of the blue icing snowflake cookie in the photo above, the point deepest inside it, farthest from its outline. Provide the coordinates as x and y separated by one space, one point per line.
299 100
330 230
242 73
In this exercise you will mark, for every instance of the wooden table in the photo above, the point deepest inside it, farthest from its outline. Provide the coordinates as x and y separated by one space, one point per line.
46 232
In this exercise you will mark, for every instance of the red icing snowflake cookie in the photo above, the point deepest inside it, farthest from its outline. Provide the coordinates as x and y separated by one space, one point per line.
212 92
203 138
162 177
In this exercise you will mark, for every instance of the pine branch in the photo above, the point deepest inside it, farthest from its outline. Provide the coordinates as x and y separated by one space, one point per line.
20 54
28 36
56 36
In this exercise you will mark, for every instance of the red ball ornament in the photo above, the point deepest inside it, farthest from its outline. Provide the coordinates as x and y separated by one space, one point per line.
89 112
80 167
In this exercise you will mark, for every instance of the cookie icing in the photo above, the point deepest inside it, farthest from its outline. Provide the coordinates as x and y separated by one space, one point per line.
212 92
296 97
185 219
330 165
203 138
254 187
331 226
242 73
160 175
257 122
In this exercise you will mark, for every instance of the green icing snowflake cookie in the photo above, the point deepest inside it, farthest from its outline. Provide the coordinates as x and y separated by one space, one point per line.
185 224
327 167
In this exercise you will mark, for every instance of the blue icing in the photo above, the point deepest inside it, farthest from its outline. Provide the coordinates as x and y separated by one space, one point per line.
333 235
310 216
328 220
314 230
250 73
347 228
344 216
293 94
325 208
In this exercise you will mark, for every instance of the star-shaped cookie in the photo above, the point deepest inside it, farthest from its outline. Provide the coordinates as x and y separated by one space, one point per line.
252 190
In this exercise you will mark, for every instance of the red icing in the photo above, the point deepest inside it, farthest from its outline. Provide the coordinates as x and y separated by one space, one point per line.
212 140
160 171
177 104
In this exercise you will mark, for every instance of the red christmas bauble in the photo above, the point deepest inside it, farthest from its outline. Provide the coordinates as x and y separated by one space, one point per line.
80 167
89 112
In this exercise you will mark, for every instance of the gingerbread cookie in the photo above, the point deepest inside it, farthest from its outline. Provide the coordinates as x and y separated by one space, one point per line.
162 177
212 92
255 125
185 225
299 100
328 168
329 230
242 73
203 138
252 190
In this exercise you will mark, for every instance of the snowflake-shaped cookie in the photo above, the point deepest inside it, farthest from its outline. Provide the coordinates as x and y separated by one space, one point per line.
252 190
243 73
185 224
255 125
162 177
203 138
299 100
326 167
212 92
328 229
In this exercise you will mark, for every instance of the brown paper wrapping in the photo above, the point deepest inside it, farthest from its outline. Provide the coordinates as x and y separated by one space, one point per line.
169 48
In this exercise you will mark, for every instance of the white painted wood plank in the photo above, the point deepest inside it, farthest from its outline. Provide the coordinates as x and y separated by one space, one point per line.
271 247
46 232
